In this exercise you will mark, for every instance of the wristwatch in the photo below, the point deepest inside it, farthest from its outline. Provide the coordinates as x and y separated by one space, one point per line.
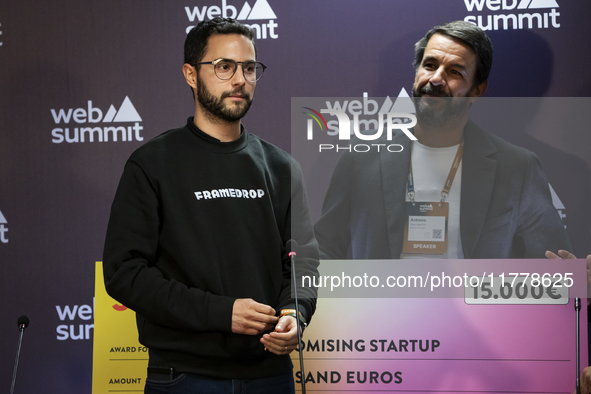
292 313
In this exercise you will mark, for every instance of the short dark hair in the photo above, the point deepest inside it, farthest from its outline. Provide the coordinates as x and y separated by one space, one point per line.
198 37
468 34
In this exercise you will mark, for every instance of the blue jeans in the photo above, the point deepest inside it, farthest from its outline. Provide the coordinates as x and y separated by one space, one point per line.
194 384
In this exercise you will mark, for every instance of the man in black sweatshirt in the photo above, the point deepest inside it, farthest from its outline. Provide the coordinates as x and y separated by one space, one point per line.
196 242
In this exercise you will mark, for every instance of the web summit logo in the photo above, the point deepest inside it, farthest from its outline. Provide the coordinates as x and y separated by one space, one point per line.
545 17
92 133
370 121
3 230
79 325
261 10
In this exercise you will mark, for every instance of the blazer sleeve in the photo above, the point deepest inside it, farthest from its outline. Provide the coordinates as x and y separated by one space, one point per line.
539 226
333 229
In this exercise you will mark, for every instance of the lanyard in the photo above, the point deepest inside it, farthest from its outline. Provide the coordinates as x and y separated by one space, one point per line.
448 182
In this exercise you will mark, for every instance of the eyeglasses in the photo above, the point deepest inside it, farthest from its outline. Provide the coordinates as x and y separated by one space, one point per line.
226 68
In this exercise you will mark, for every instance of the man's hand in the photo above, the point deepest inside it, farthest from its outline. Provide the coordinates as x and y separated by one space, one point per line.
586 380
284 339
252 318
563 254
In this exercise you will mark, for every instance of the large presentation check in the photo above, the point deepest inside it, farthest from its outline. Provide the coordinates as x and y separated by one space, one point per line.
514 336
398 326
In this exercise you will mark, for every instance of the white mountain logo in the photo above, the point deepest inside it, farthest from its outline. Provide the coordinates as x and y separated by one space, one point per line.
126 113
525 4
260 10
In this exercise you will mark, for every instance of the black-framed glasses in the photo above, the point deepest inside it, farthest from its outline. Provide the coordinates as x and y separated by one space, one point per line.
226 68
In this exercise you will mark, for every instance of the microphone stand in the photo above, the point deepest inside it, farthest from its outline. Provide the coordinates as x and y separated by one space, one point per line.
292 255
578 309
23 322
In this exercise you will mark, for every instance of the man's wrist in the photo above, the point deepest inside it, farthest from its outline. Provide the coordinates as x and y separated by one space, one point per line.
292 313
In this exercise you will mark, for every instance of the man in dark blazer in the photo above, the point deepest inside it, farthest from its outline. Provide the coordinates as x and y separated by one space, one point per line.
503 206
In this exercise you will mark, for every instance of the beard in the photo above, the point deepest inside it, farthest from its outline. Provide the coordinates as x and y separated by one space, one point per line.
438 111
216 110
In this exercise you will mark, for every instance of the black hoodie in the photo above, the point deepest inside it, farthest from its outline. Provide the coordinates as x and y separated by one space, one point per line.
197 223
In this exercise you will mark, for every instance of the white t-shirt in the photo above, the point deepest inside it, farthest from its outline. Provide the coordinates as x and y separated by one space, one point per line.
430 168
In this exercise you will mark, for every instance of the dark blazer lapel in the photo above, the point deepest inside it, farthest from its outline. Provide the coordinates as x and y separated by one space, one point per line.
478 178
394 171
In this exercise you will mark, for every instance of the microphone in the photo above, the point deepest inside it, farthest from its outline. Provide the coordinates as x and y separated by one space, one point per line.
292 247
22 322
